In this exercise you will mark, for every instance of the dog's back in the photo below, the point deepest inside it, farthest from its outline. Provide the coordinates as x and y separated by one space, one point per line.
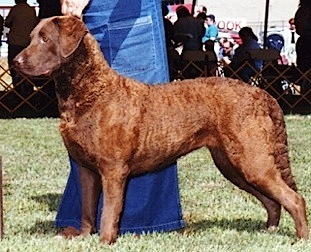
202 112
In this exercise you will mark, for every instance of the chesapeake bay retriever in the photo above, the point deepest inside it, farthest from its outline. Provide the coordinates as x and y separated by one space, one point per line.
116 127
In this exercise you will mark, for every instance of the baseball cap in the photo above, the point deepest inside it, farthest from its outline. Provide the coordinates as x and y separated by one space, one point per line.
211 16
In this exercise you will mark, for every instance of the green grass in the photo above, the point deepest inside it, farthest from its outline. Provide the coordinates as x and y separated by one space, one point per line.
218 216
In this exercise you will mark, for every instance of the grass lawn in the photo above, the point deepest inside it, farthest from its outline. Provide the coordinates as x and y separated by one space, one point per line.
218 216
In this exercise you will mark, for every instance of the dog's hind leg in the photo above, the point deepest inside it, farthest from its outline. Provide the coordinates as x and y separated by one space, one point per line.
274 187
113 181
272 207
260 171
90 189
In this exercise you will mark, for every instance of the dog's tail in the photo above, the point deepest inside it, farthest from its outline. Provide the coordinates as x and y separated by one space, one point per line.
281 155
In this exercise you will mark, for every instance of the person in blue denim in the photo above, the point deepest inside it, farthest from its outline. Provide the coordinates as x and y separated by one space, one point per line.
131 37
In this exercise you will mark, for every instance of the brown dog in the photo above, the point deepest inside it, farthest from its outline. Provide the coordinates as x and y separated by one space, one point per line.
116 127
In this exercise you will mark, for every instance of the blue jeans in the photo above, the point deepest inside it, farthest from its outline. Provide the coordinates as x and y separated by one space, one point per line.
131 36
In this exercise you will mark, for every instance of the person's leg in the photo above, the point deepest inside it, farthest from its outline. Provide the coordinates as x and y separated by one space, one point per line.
304 63
23 87
152 200
303 54
300 52
13 50
246 73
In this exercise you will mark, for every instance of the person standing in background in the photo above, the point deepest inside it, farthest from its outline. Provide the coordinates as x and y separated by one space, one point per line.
303 29
202 9
242 55
21 20
48 8
290 45
227 52
211 32
202 17
188 30
168 27
172 54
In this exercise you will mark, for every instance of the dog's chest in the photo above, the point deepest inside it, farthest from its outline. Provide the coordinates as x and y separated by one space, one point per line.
77 137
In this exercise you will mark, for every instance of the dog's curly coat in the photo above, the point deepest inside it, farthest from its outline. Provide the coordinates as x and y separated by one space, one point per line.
116 127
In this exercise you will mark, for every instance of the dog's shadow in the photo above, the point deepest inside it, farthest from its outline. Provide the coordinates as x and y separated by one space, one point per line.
240 225
52 201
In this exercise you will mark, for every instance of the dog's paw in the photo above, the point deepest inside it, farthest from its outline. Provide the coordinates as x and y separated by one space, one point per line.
273 229
68 232
108 239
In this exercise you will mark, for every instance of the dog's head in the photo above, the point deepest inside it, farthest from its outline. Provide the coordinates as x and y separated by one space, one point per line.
53 40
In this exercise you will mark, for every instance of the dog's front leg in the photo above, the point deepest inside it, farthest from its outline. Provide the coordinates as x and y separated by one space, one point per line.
114 181
91 188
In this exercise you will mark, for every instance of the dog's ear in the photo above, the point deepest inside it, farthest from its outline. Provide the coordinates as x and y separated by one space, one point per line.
71 32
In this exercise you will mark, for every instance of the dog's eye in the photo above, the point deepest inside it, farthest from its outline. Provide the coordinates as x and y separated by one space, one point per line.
45 39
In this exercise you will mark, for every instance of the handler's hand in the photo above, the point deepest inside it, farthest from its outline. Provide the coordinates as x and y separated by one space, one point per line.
73 7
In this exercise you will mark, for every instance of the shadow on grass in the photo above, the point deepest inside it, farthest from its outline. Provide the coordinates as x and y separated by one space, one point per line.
240 225
52 200
42 228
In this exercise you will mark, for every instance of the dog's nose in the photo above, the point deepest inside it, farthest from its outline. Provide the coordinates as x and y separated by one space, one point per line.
18 60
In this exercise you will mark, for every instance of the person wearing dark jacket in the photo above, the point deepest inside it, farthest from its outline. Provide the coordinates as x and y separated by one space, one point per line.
21 20
303 28
188 30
